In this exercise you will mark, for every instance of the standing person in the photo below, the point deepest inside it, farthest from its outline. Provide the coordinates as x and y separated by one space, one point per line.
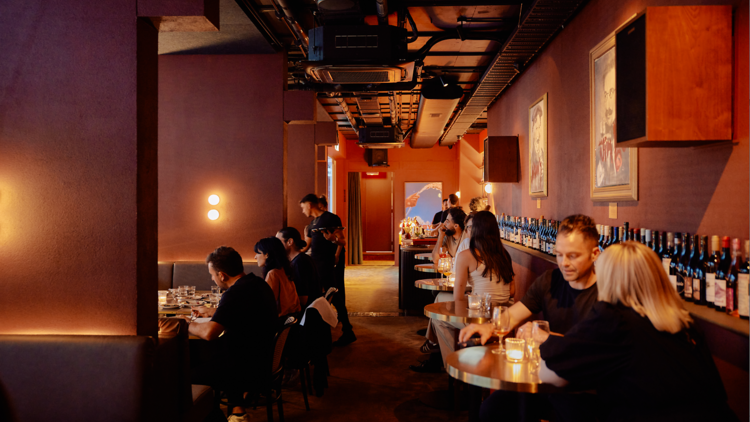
247 316
327 235
564 296
303 272
440 215
638 348
272 260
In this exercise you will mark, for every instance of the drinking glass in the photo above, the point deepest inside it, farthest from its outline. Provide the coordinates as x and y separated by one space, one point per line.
500 325
475 302
538 336
182 290
214 299
514 349
215 289
487 305
191 292
173 292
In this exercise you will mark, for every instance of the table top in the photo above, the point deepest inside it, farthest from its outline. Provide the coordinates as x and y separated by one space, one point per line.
182 310
425 268
479 366
433 284
423 256
456 312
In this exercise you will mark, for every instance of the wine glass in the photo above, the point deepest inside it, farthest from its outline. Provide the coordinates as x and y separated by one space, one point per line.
500 325
539 333
448 267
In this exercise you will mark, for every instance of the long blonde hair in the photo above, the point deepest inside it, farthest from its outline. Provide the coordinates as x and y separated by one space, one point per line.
632 274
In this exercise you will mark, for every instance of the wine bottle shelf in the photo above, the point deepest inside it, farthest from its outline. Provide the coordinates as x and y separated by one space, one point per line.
533 252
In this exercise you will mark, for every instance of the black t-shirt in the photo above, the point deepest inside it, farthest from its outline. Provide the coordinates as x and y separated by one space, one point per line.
640 374
247 311
560 304
439 217
305 277
323 250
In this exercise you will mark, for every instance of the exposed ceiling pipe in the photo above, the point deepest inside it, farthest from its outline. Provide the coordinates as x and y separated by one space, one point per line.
285 12
415 33
392 103
348 113
382 8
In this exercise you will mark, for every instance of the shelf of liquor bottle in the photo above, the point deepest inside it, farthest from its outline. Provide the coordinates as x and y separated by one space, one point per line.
736 325
530 251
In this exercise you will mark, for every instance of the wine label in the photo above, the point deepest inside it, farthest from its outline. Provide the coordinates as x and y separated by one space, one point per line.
710 282
673 280
730 300
720 291
743 300
688 286
696 289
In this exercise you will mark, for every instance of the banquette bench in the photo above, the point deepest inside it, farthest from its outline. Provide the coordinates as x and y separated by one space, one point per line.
192 273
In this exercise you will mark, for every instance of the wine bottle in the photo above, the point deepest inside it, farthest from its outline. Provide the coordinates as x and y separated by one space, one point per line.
712 264
674 265
643 237
743 282
696 271
615 236
720 286
624 231
685 272
656 245
543 237
666 251
636 235
647 239
732 273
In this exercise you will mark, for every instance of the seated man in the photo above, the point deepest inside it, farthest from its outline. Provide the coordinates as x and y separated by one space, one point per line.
564 297
240 359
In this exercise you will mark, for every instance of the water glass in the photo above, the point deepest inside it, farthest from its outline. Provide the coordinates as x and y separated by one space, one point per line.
214 299
182 291
475 301
487 303
215 289
191 291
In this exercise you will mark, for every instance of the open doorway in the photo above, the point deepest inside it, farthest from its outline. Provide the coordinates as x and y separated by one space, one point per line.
377 216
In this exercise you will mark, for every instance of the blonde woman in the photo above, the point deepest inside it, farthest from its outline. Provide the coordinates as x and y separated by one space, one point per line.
638 347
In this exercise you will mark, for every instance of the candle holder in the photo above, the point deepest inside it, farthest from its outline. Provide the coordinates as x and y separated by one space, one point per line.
515 349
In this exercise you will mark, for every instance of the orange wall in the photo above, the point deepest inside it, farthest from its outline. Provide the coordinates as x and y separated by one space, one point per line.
437 164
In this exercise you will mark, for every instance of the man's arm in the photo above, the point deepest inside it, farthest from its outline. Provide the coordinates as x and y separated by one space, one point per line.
206 330
549 376
436 248
308 240
518 313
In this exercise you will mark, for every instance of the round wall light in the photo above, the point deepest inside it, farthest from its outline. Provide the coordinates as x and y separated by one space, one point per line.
213 199
488 188
213 215
458 194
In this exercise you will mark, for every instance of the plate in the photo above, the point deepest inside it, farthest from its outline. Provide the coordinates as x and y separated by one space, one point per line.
170 307
193 302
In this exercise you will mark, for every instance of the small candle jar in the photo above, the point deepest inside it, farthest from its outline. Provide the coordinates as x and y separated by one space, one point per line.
475 302
515 349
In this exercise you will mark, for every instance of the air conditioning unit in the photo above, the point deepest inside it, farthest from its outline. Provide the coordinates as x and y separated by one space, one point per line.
380 137
357 74
376 157
362 43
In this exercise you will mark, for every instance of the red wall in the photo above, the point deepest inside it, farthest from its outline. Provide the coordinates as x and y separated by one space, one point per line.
77 168
221 131
699 190
437 164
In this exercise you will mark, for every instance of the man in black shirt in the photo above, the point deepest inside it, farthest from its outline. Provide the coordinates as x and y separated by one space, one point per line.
564 297
248 318
304 275
327 235
440 215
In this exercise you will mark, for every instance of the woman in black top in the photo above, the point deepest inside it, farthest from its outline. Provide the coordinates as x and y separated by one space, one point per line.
303 272
638 347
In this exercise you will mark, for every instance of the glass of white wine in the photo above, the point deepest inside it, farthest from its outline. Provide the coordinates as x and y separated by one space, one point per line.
500 325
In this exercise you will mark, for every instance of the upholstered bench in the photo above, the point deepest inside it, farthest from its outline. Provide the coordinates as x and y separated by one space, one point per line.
192 273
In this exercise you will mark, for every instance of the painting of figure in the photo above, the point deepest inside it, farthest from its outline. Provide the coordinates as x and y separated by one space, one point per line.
614 170
538 148
423 200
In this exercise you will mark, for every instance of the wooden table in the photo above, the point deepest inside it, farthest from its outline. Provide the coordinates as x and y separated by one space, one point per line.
480 367
425 268
451 312
437 284
182 310
423 256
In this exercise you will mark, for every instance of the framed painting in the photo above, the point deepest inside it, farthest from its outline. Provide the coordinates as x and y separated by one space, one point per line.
538 148
422 200
614 171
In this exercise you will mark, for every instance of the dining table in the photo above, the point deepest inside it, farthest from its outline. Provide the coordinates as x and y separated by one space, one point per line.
456 312
425 268
436 284
423 256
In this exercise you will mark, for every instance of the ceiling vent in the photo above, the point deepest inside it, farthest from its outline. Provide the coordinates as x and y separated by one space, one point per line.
380 137
357 74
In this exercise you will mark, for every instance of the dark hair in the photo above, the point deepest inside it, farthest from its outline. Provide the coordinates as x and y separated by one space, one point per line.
226 260
458 216
486 247
579 223
277 258
292 233
445 200
322 201
311 198
469 216
453 199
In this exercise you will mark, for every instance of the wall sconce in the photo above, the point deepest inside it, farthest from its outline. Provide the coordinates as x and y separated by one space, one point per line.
458 194
488 187
213 215
214 199
336 147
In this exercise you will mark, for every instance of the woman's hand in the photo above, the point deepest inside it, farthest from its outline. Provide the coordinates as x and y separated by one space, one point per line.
484 330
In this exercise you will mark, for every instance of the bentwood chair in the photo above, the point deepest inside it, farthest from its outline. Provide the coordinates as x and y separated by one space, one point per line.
273 392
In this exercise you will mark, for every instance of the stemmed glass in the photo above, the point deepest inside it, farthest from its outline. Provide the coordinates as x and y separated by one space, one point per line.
445 266
500 325
538 336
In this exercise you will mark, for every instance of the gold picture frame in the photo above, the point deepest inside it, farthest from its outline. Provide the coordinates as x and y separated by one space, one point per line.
538 148
614 171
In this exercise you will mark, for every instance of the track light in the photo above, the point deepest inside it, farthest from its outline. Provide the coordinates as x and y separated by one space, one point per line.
442 82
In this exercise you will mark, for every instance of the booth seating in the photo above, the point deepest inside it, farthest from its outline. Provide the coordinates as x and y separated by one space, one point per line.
102 378
192 273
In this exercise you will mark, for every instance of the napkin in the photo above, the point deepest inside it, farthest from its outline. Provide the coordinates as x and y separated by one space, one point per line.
326 312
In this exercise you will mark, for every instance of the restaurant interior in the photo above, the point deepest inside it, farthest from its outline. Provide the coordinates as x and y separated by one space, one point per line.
119 118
